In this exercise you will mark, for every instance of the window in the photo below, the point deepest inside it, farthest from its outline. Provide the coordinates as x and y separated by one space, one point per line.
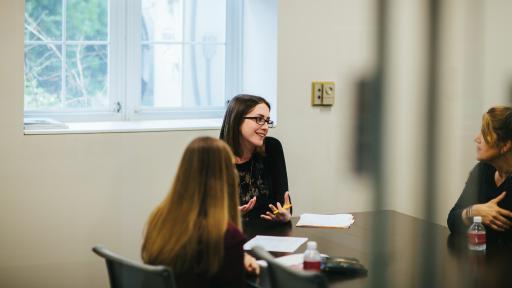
131 59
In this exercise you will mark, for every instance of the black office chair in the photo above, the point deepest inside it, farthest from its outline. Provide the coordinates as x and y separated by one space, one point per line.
282 276
124 273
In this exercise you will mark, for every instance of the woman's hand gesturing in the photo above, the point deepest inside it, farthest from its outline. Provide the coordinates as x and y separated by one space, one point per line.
492 215
279 213
248 207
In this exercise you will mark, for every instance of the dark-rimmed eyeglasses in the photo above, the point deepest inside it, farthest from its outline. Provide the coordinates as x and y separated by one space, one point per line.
261 121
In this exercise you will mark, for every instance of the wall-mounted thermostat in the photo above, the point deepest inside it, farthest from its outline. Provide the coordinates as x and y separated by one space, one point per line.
322 93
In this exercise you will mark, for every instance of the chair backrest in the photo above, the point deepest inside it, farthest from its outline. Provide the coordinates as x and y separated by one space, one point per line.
125 273
282 276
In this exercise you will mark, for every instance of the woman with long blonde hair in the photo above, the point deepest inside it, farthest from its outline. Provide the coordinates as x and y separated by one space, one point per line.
196 229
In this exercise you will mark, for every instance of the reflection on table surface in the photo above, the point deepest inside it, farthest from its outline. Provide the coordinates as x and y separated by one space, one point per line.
403 264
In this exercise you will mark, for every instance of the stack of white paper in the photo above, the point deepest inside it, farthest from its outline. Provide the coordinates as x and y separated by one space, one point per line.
275 243
322 220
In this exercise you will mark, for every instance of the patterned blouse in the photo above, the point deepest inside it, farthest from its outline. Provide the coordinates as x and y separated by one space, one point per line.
263 176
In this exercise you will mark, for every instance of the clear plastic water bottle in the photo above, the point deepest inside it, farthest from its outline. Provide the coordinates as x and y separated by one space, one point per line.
476 235
312 258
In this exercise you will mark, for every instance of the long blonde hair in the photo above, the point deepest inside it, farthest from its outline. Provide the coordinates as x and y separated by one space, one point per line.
191 221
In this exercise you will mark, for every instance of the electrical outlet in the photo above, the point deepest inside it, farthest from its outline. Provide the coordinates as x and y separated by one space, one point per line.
316 93
328 93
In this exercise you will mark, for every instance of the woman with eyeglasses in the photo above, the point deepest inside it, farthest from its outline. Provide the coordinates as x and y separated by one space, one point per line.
259 159
488 190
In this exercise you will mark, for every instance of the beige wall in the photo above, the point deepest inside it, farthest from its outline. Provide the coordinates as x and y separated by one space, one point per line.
61 194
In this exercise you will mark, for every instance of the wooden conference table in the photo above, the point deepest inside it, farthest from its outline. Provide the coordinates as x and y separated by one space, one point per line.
403 260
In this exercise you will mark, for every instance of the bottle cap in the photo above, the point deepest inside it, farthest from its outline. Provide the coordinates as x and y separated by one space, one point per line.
311 245
477 219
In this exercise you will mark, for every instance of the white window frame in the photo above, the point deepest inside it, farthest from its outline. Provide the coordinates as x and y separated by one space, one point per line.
124 75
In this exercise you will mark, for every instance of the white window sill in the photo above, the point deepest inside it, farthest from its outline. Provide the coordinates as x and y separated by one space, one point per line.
130 126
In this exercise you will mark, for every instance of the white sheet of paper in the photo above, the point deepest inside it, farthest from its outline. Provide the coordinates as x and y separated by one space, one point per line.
276 243
323 220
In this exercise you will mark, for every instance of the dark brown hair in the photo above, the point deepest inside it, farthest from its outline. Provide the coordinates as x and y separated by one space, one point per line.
497 125
238 107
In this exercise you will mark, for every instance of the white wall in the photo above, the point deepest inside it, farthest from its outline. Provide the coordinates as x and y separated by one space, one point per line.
60 194
322 40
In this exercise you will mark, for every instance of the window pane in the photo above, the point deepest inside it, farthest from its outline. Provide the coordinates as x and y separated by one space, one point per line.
87 20
203 75
43 20
161 75
172 80
162 20
205 19
86 77
42 76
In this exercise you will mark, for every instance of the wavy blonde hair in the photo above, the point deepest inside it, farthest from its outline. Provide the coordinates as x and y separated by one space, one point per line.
497 125
191 221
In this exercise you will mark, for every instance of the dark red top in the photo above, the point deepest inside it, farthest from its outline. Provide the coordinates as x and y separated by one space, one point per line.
230 273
